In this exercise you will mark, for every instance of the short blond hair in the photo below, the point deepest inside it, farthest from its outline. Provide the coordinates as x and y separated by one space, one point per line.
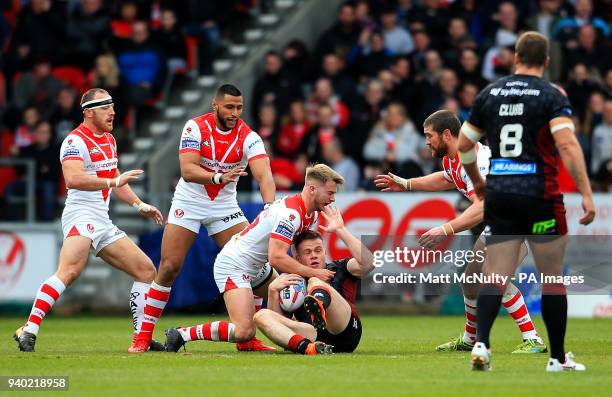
323 174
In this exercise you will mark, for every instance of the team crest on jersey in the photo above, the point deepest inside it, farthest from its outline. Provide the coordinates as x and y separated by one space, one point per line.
178 213
188 129
291 217
70 141
90 228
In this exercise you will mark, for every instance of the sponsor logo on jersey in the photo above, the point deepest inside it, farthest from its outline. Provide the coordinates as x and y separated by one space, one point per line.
509 167
90 228
178 213
71 151
544 227
511 109
189 143
94 150
514 92
235 215
255 143
285 229
246 277
206 143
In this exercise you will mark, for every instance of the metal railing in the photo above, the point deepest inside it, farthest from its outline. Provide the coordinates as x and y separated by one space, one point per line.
30 184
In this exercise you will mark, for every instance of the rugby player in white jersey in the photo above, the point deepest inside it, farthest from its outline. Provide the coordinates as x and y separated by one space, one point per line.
251 259
89 164
214 150
441 132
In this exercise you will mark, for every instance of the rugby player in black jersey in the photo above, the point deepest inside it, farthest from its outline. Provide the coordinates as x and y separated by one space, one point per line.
527 121
328 320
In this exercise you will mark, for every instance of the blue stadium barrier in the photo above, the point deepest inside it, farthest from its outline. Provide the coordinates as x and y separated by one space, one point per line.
195 287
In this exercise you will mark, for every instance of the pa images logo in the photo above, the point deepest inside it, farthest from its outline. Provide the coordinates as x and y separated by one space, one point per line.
12 260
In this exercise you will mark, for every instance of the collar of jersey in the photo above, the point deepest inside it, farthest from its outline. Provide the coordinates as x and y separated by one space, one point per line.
89 132
219 131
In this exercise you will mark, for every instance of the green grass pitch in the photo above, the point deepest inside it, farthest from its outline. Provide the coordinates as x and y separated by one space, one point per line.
396 357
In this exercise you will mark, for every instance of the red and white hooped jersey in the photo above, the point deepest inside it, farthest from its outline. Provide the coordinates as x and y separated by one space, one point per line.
454 172
282 220
99 156
220 151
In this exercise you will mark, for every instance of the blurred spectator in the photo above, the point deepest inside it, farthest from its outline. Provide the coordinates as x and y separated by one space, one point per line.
275 87
433 99
472 15
594 112
422 44
458 39
293 131
267 123
67 114
288 174
334 70
498 63
405 10
171 41
469 68
466 98
601 160
140 66
366 113
363 15
369 173
37 88
323 131
588 52
567 28
607 83
323 95
105 75
505 36
297 62
47 167
341 37
579 89
333 155
122 27
396 142
404 89
369 55
87 31
24 133
434 17
203 19
397 39
39 32
544 21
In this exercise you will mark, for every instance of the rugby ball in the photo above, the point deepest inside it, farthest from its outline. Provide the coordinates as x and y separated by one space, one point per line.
292 297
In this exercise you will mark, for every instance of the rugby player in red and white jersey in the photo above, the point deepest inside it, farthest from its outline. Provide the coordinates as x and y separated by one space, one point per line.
89 164
214 150
251 259
441 132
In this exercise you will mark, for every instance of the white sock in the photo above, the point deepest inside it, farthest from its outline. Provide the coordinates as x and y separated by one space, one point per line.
137 303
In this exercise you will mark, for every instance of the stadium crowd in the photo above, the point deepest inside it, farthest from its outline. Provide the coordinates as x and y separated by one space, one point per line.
356 101
54 50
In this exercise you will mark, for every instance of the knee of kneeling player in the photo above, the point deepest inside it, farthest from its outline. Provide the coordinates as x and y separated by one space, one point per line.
244 332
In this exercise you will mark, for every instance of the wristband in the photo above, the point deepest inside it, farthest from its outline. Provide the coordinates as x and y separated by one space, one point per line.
108 182
142 207
467 157
448 230
216 179
406 183
117 180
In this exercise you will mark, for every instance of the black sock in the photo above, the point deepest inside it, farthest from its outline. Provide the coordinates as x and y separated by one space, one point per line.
322 295
487 307
301 347
554 314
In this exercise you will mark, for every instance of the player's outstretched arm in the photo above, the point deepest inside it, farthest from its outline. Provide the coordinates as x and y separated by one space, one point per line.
468 137
362 261
283 263
127 195
429 183
263 175
76 178
472 216
573 159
